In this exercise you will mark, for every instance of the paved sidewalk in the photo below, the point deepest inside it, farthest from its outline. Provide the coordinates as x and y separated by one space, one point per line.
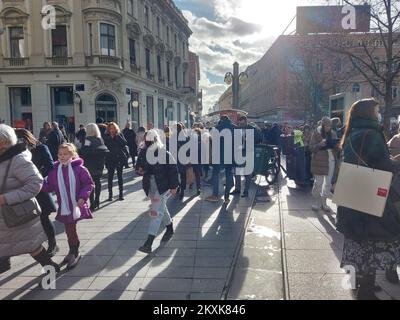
194 265
291 252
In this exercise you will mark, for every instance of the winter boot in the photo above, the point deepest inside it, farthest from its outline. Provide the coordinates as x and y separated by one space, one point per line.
5 264
317 205
45 260
53 248
324 206
146 248
392 276
73 257
168 234
366 288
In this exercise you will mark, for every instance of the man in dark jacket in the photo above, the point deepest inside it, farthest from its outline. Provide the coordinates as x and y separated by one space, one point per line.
225 162
130 137
275 135
56 139
81 134
257 137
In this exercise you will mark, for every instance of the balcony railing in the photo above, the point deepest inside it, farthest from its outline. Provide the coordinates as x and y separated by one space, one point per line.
109 60
59 61
16 62
135 69
150 76
104 60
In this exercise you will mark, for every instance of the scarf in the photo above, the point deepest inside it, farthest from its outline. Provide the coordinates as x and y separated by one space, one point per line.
65 209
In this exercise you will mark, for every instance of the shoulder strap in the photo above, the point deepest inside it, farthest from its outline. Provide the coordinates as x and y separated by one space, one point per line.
5 177
359 156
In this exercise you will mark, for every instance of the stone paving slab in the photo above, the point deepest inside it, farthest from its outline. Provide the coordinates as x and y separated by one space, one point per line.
195 264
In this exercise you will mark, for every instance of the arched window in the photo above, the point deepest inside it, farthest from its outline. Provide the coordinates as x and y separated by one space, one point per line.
106 108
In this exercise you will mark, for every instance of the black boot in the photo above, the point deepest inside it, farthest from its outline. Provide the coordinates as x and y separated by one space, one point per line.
45 260
5 264
73 257
392 276
366 288
168 234
146 248
53 248
121 196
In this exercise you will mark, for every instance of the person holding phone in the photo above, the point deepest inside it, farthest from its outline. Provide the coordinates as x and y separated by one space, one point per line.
323 146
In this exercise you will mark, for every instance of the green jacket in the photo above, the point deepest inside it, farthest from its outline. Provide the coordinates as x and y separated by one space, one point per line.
375 154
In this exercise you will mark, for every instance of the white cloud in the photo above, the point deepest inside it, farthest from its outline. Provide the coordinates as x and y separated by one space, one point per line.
242 31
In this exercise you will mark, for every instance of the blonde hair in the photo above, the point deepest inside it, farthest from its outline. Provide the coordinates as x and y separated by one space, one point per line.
92 130
113 124
71 148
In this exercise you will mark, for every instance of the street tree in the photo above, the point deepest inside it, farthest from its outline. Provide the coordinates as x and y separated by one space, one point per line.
381 71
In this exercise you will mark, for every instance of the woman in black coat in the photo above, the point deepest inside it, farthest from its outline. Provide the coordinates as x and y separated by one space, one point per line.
94 153
371 243
116 159
43 160
130 137
158 181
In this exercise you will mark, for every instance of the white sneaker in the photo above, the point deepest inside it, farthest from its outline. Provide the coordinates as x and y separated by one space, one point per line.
324 206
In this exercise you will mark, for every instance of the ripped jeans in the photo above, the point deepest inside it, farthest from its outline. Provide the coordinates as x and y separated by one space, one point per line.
158 208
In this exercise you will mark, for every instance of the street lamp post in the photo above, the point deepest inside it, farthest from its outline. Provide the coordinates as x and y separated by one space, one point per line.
236 80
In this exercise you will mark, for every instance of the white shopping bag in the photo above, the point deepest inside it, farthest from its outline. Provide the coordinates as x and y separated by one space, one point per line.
362 189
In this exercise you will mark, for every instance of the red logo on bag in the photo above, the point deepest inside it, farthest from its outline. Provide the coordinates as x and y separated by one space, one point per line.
382 192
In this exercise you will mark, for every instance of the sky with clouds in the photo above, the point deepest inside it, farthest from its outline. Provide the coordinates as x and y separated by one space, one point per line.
225 31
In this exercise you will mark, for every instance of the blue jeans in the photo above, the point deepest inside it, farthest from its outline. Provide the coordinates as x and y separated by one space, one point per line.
229 179
159 210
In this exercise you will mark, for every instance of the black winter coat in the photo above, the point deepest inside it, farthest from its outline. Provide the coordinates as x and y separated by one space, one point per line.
94 153
130 137
118 151
166 175
43 160
56 139
357 225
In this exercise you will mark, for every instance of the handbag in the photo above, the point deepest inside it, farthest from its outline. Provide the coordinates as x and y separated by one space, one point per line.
362 188
21 213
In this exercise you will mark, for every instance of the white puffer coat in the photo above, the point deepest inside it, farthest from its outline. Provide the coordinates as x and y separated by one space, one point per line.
23 183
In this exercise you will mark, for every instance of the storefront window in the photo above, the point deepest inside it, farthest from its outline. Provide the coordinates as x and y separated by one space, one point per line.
63 104
150 109
21 108
160 113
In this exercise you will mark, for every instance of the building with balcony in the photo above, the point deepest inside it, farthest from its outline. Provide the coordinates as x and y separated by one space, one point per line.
102 56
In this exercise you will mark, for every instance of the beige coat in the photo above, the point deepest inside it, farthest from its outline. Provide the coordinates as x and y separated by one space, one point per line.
320 158
23 183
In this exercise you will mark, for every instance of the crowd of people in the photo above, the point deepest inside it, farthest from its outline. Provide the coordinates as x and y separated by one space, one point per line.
33 168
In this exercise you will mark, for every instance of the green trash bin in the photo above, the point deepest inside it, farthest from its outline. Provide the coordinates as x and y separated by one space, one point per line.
262 154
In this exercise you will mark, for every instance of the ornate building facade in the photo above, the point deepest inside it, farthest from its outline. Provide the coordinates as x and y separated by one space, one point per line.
113 59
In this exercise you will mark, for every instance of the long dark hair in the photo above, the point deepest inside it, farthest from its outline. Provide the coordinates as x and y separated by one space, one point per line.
363 109
28 138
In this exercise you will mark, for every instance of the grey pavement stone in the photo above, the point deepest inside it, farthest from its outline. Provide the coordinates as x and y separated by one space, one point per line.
206 296
173 261
170 272
213 261
53 295
312 241
167 285
137 270
163 296
227 252
314 261
260 259
318 286
175 252
251 284
105 295
73 283
211 273
208 285
121 283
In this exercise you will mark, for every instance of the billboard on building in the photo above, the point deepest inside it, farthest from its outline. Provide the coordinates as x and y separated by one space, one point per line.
333 19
